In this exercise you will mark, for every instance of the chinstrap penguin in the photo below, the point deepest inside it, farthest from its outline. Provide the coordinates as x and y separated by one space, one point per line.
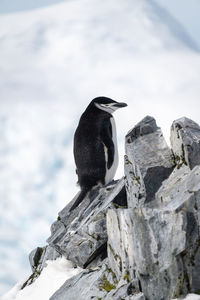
95 145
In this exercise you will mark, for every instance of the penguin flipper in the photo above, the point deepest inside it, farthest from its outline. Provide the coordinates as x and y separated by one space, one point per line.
79 199
108 142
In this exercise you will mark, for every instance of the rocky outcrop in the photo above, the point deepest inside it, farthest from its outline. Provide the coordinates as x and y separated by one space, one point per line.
148 151
81 235
185 140
137 238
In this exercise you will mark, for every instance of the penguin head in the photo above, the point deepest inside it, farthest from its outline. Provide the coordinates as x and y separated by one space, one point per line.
107 104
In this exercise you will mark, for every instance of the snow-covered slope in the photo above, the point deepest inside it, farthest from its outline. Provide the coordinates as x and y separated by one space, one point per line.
49 281
53 62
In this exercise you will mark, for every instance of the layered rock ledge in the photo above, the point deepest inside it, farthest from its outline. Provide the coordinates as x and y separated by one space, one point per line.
139 237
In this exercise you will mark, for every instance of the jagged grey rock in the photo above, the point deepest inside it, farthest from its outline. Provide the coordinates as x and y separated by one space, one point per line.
134 183
153 245
100 283
160 247
185 141
86 285
81 235
147 149
158 243
120 248
38 258
34 257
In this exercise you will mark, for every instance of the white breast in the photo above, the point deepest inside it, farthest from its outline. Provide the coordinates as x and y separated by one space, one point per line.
110 173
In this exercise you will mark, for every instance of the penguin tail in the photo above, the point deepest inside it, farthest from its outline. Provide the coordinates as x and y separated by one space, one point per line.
80 198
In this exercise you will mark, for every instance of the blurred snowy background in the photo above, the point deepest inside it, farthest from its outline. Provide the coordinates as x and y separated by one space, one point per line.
56 56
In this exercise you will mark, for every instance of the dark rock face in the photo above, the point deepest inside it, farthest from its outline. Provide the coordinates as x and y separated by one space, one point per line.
137 238
147 148
153 180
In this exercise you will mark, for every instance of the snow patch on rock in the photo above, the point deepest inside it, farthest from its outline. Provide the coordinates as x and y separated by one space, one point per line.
50 280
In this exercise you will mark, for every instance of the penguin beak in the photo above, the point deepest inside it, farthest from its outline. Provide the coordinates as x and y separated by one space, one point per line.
120 104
